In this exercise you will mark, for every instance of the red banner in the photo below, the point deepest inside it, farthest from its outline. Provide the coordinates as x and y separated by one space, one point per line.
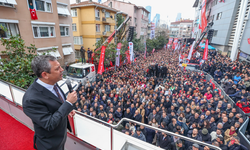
153 50
205 51
33 14
101 61
175 43
170 41
203 16
128 56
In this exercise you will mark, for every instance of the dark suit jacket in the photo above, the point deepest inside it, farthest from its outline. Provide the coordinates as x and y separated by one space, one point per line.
49 116
165 144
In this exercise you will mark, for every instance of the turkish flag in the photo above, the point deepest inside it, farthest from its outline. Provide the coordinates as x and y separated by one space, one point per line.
205 51
200 26
33 14
248 40
203 16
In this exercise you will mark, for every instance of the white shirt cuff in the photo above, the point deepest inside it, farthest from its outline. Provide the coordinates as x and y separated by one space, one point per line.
69 103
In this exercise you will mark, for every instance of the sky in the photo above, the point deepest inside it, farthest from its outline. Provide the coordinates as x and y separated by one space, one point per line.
167 8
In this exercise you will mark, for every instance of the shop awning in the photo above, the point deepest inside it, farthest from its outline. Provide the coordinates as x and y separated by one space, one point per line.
62 10
9 1
67 50
54 53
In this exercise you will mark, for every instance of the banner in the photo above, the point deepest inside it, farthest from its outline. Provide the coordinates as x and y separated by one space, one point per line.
205 51
191 51
153 50
175 43
119 45
128 56
131 50
170 41
33 14
203 16
152 33
101 61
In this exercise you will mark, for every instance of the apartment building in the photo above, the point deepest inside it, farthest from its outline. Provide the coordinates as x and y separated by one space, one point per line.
181 29
52 29
91 21
229 35
139 16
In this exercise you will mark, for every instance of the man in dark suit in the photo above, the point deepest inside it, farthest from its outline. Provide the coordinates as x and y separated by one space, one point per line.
46 105
164 141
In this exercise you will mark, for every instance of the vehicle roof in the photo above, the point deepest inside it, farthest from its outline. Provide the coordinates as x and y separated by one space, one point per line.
80 65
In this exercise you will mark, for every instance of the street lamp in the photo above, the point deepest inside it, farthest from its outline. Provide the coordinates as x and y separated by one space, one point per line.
120 12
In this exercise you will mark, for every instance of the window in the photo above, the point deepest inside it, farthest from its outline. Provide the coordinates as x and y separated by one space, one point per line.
135 11
219 16
215 33
74 12
12 30
97 14
64 31
97 40
107 15
42 5
78 40
43 31
77 54
74 27
211 18
107 28
97 27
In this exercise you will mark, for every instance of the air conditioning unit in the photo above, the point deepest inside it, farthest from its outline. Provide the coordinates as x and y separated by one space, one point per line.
103 10
103 19
104 33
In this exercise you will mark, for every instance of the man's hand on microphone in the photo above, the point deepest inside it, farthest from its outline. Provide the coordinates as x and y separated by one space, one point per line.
72 97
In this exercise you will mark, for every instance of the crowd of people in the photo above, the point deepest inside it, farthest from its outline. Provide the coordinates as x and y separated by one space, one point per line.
157 92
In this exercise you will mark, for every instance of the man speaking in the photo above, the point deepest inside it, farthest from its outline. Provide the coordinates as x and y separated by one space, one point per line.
46 105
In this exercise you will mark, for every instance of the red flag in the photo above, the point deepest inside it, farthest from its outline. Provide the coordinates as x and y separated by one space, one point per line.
153 50
203 16
200 26
33 14
128 56
111 64
101 61
205 51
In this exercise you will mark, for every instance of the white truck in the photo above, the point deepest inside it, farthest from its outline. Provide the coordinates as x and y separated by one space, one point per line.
81 72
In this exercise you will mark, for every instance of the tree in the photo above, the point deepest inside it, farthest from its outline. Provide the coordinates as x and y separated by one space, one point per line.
119 20
16 68
138 43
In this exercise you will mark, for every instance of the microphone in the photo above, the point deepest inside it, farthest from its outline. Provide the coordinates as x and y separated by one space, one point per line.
69 85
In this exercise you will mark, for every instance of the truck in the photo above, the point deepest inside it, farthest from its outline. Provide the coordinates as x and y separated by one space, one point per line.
81 72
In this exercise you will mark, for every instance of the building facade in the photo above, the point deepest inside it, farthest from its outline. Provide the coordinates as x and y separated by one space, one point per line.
51 33
181 29
178 18
149 15
139 16
229 35
91 21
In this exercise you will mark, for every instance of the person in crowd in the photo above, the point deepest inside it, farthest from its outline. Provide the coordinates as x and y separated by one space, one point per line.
229 133
139 135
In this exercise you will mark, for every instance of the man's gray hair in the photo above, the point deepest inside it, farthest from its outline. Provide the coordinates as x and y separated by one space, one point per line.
237 138
41 64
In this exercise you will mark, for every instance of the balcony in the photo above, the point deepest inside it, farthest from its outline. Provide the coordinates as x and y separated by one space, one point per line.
106 33
104 20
